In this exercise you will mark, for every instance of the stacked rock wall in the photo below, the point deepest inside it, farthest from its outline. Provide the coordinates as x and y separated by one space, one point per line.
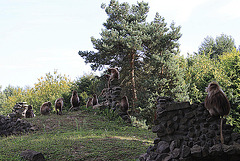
188 133
111 98
19 110
9 126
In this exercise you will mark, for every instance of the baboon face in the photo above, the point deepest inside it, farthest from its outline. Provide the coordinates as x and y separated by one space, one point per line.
29 107
213 87
59 102
74 92
49 104
114 73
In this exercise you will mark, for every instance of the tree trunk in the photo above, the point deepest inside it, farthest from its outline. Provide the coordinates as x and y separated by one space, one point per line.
133 79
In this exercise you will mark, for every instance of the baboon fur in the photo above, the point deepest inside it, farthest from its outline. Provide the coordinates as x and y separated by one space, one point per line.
59 106
75 99
89 102
29 112
46 108
124 104
94 100
216 102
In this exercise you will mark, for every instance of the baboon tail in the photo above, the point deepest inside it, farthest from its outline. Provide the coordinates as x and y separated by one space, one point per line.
221 133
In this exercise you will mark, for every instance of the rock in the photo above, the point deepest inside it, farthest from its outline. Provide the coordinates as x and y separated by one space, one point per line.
205 151
185 151
176 153
174 144
161 157
14 126
32 155
216 150
196 151
158 128
143 157
187 132
163 147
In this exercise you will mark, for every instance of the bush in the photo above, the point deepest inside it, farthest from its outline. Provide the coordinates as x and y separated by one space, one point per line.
48 88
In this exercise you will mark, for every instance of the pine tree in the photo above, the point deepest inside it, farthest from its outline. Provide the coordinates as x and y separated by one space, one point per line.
130 43
121 39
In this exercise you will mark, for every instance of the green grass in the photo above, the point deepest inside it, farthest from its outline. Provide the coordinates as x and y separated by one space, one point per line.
81 135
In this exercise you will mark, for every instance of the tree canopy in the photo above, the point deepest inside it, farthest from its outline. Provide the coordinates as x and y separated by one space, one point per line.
130 43
220 45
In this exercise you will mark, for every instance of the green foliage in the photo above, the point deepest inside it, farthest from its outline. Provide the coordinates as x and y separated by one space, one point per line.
121 42
218 46
12 95
48 88
167 80
225 69
231 64
200 71
86 86
2 97
141 50
112 116
122 35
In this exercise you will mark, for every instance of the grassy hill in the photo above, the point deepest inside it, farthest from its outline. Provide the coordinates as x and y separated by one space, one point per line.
81 135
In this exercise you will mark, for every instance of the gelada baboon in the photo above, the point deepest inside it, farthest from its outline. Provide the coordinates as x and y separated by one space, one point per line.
74 100
217 103
94 100
46 108
29 112
124 104
107 76
59 106
114 74
89 102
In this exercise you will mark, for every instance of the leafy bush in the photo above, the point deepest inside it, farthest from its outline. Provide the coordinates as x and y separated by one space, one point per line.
231 65
86 86
48 88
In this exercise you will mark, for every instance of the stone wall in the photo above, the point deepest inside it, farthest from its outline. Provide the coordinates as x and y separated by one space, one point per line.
111 98
10 126
187 132
19 110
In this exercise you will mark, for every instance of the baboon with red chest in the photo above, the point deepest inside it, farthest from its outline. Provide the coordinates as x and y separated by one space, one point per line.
74 100
94 100
89 102
29 112
216 103
59 106
46 108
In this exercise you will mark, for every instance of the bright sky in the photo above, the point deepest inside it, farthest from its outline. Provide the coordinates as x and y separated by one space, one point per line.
40 36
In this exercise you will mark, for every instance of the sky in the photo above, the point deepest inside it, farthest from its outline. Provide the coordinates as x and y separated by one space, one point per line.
41 36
